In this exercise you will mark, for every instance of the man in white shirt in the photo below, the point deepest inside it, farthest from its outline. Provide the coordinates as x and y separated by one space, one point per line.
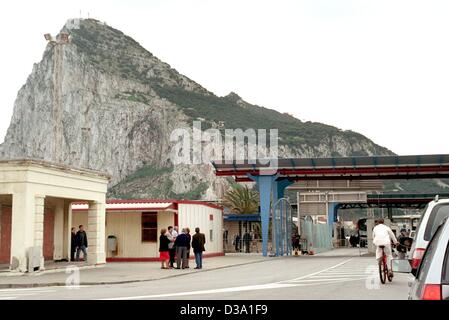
383 236
171 235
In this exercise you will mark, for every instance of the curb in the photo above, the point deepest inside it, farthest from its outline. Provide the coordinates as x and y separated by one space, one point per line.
63 284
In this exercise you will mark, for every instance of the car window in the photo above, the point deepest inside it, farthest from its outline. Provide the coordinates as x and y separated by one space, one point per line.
422 212
437 215
428 255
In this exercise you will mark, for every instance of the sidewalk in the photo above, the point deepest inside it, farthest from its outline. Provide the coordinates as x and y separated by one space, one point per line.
121 272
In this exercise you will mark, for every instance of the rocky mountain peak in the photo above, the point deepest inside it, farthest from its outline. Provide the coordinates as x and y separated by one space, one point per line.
103 102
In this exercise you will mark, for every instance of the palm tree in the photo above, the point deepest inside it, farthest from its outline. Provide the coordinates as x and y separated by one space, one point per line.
241 199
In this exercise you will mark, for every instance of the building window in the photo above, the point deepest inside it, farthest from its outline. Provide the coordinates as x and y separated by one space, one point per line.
149 226
211 235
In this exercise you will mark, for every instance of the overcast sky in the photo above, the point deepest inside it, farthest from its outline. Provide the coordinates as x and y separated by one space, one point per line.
378 67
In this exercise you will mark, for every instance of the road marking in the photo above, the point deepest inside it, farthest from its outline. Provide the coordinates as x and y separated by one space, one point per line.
274 285
10 294
342 272
318 272
212 291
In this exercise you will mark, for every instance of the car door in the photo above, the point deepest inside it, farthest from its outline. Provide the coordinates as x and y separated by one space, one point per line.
424 268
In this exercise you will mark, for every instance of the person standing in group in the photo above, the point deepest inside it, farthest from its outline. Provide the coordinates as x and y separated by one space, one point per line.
73 245
175 231
81 243
189 236
181 244
164 255
171 246
198 242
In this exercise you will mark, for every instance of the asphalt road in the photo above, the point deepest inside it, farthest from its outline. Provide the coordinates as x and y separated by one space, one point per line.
314 277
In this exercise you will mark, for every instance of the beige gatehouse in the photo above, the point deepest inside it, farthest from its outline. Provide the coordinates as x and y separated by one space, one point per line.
35 212
133 225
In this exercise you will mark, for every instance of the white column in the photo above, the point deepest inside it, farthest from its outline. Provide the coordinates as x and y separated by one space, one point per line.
39 226
96 233
69 227
67 230
22 230
58 238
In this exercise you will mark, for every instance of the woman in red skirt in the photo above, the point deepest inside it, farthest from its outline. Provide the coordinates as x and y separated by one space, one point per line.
163 249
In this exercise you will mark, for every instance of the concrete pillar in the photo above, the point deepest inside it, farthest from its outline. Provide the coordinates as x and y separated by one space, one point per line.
39 205
68 242
96 233
22 229
58 253
67 230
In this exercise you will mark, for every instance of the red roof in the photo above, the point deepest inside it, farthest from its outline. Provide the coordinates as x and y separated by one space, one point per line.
174 202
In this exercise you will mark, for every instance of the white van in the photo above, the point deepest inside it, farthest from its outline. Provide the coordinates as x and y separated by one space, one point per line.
434 214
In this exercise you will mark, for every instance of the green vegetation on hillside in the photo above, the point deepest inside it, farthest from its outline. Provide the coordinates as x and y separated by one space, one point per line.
113 52
292 131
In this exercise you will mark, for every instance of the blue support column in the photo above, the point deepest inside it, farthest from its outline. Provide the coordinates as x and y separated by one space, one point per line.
265 184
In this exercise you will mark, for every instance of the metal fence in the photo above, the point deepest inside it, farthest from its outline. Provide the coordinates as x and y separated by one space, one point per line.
317 236
255 246
243 246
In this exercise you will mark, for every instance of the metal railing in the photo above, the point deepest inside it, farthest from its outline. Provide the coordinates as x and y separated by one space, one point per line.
255 246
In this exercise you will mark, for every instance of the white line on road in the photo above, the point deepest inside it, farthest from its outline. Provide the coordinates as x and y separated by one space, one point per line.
331 279
274 285
318 272
212 291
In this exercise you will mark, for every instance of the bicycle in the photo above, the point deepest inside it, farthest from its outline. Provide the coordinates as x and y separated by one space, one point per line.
384 273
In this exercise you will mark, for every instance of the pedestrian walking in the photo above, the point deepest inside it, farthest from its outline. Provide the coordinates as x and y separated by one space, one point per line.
247 241
198 242
181 244
81 243
73 245
237 242
254 244
164 255
171 235
189 236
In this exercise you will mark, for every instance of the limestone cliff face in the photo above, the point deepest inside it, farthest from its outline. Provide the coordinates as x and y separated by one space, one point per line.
103 102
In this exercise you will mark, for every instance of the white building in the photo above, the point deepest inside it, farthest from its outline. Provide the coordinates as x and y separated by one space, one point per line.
35 212
135 225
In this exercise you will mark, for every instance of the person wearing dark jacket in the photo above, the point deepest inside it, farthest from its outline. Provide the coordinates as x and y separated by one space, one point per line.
81 243
73 245
198 242
181 244
189 236
163 249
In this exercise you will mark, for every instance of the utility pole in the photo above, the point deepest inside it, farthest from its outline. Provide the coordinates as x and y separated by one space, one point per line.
58 50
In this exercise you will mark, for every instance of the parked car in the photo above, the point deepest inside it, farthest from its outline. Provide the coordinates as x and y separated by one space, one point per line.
432 278
435 212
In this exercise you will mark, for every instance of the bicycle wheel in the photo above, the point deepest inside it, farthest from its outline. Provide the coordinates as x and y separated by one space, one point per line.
390 276
382 273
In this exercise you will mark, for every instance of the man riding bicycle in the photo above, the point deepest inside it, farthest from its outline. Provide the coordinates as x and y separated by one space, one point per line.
382 237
